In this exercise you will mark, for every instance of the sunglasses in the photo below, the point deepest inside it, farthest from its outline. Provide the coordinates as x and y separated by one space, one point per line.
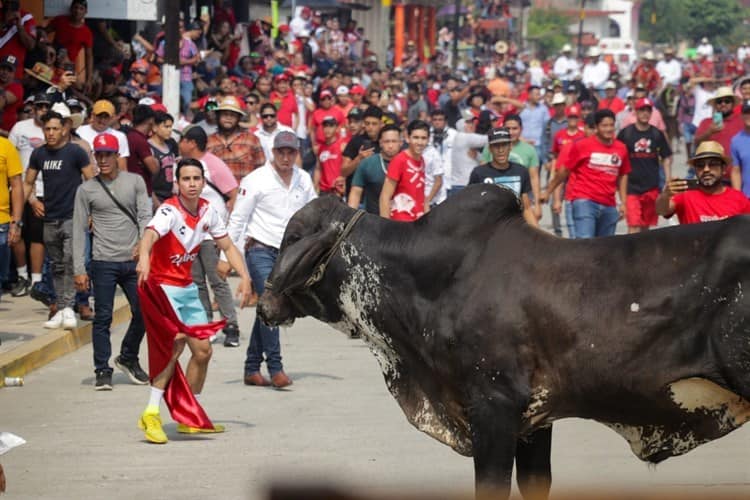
701 164
725 100
268 116
41 106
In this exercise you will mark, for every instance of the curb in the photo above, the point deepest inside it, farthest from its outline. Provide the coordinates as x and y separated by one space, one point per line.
57 343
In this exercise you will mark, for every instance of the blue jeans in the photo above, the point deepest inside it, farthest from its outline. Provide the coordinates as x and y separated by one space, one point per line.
569 222
594 219
186 95
454 190
4 255
105 277
263 339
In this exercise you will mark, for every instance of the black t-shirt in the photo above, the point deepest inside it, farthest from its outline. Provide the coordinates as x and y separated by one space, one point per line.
645 148
352 149
61 169
163 179
452 113
515 177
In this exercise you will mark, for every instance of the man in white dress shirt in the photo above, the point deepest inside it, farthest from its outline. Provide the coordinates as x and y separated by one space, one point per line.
267 199
669 68
596 71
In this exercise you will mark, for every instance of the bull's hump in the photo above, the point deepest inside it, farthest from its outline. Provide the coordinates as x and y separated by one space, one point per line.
704 411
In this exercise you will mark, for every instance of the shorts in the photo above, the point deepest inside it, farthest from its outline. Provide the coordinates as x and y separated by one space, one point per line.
688 131
33 226
641 209
186 303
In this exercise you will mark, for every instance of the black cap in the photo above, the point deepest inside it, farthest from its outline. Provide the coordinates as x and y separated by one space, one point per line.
356 114
195 133
10 61
41 98
746 106
500 135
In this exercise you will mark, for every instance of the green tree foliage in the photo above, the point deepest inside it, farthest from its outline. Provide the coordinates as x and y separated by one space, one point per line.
548 29
670 21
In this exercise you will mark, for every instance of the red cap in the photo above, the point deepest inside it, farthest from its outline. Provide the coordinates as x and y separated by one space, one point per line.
357 89
281 77
157 106
106 142
284 28
573 110
644 102
325 93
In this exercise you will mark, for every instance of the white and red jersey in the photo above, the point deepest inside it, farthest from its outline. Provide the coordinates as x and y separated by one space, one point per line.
180 235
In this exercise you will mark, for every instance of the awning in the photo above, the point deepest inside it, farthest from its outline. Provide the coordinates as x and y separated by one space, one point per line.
327 4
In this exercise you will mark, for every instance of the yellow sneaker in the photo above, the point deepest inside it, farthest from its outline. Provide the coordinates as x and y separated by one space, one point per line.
184 429
151 425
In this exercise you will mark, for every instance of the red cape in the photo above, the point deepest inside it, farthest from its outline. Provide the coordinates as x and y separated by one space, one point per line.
162 325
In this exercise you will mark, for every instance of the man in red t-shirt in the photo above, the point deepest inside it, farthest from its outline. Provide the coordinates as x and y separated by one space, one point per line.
285 101
725 123
402 197
600 166
17 34
710 199
326 108
72 33
327 176
11 94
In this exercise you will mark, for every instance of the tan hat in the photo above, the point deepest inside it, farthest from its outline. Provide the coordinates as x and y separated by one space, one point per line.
649 56
231 103
709 149
103 106
41 72
669 50
558 98
501 47
723 92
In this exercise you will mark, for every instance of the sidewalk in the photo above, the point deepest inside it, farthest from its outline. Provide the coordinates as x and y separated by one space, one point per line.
27 345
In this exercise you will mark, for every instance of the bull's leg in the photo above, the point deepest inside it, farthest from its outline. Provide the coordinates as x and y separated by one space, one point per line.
533 469
494 435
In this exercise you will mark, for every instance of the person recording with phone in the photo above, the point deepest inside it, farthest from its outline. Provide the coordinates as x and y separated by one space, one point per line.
707 198
724 123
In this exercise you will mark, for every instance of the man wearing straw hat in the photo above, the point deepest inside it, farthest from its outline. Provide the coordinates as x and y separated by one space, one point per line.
710 199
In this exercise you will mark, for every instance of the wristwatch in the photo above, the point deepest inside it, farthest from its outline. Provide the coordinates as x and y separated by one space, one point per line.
18 223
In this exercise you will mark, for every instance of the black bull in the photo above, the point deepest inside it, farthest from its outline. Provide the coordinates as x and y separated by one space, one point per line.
487 330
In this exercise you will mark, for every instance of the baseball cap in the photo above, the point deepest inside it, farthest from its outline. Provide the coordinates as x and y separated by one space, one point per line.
9 60
610 85
281 77
500 135
357 89
355 114
644 102
325 93
285 140
329 119
467 115
342 90
42 98
103 106
106 143
573 110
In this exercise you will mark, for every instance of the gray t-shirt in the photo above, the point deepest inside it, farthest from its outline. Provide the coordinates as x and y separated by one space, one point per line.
114 233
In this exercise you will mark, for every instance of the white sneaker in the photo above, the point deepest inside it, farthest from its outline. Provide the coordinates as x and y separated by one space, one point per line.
55 322
69 321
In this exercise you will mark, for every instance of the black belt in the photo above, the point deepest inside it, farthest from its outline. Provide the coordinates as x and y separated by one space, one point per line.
260 244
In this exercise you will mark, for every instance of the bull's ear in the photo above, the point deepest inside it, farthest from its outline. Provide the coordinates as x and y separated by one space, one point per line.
298 260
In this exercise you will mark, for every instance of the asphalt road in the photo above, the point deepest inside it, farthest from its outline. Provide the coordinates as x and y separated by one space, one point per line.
336 424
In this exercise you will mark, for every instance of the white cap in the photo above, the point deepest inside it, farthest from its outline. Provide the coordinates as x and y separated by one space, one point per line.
558 98
147 101
594 52
610 85
342 90
566 48
704 40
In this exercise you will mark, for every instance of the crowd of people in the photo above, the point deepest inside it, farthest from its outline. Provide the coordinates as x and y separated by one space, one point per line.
101 187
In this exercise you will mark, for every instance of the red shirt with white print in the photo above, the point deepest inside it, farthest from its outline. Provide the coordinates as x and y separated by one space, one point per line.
696 206
407 203
331 159
563 137
597 166
180 235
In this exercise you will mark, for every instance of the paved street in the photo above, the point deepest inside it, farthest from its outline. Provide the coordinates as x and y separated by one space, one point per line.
337 423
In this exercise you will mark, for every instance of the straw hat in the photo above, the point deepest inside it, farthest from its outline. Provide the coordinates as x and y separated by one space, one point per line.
723 92
501 47
709 149
230 103
41 72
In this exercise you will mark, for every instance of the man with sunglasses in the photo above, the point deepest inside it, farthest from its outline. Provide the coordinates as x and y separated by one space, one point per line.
269 128
721 126
710 199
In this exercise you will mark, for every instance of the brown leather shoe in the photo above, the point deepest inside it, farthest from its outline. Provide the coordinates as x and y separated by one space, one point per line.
257 379
281 380
85 312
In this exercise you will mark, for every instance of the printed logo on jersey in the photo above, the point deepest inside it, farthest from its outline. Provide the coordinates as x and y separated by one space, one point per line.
608 163
643 145
180 259
415 171
512 182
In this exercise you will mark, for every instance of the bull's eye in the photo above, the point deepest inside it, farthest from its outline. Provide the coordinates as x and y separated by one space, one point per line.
292 239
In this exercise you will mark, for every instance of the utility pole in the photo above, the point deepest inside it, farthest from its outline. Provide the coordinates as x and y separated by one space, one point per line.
456 18
580 29
170 70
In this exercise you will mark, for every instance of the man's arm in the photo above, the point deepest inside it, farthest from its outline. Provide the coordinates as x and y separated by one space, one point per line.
355 197
81 214
666 166
622 188
436 185
28 182
735 176
238 264
557 180
17 203
152 164
144 254
534 177
528 213
389 187
88 171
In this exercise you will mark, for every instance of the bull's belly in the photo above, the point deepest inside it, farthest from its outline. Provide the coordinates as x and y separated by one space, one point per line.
694 411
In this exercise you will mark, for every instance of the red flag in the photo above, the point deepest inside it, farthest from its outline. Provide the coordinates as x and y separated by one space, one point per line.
162 325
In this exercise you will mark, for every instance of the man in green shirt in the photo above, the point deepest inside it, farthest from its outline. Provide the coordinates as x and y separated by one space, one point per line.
370 174
525 154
